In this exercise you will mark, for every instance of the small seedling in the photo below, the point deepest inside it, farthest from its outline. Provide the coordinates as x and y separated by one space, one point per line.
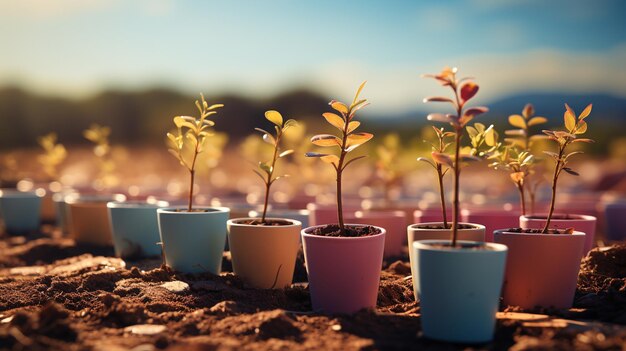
192 131
573 126
54 154
517 158
267 169
463 90
347 141
440 147
99 136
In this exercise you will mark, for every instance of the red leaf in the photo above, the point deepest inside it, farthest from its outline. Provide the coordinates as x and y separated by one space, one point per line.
468 90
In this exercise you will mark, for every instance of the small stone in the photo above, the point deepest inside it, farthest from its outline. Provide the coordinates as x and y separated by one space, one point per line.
176 286
145 329
336 327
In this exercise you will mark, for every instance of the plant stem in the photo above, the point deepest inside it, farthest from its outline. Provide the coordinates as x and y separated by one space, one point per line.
520 188
555 178
269 181
457 173
442 196
192 171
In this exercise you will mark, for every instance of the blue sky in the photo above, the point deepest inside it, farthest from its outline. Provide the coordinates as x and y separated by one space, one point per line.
79 47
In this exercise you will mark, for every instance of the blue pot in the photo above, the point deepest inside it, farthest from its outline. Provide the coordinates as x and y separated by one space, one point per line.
459 289
20 210
135 228
193 241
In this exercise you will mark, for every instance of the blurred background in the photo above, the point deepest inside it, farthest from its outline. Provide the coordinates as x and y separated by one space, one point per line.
133 65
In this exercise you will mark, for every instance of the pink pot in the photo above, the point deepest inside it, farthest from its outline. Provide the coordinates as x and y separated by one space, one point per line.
394 223
492 219
327 214
344 273
541 269
581 223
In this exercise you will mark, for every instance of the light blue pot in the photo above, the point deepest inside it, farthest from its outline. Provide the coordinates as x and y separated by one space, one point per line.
20 210
459 289
193 241
135 228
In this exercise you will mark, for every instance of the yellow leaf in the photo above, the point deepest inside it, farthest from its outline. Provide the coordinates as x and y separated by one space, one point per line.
585 112
358 139
358 92
570 120
330 159
326 140
353 125
537 120
334 119
517 177
581 128
517 121
339 106
274 117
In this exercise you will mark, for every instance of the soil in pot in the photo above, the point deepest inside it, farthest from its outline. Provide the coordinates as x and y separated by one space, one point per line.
539 231
268 222
352 231
440 226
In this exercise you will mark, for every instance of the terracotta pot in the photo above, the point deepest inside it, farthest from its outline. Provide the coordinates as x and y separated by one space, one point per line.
344 273
327 214
264 256
193 241
459 289
581 223
615 214
416 232
541 269
135 228
90 224
492 219
20 210
392 221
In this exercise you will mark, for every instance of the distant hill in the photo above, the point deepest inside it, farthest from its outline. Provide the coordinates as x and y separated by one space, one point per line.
144 116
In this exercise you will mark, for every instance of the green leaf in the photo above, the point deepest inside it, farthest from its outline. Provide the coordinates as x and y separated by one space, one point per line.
274 117
265 167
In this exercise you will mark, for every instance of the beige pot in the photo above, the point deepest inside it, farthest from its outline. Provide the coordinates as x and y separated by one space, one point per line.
417 232
264 256
89 223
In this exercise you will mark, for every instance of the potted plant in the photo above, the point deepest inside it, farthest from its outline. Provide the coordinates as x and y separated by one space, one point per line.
515 157
264 249
20 210
343 260
53 155
87 212
458 282
557 245
193 238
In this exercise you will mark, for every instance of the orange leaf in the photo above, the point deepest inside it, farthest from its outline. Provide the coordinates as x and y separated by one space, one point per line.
585 112
334 119
339 106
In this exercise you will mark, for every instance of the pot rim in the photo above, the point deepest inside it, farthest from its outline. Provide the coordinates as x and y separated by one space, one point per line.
76 197
491 212
280 212
304 233
17 194
426 246
544 217
174 210
415 227
137 204
294 223
505 232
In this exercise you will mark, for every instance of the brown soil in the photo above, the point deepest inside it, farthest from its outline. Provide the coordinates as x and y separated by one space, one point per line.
441 227
539 231
463 246
349 231
55 296
268 222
